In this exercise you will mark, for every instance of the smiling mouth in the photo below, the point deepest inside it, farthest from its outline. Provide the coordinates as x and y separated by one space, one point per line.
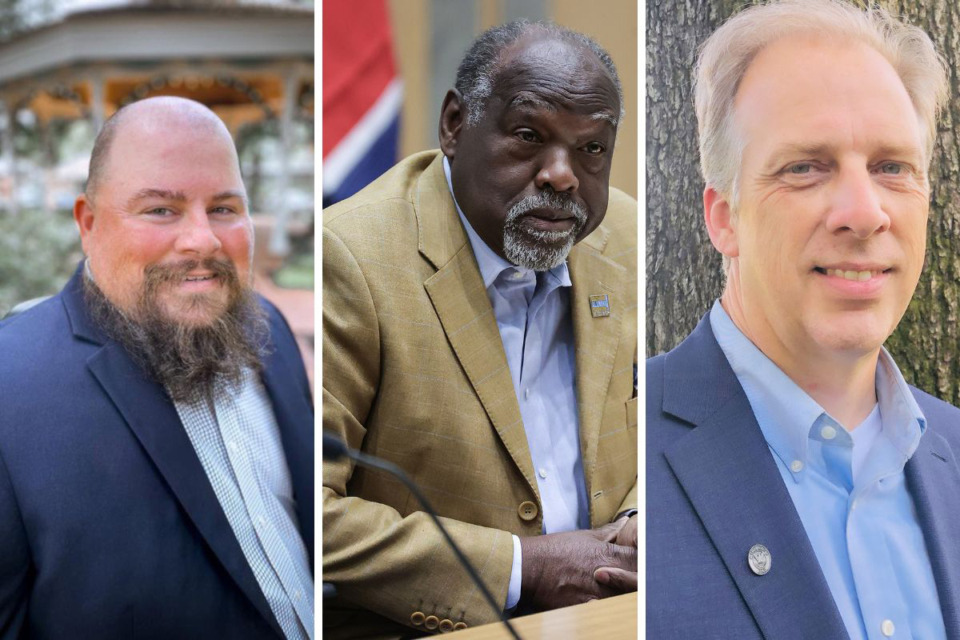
199 278
854 275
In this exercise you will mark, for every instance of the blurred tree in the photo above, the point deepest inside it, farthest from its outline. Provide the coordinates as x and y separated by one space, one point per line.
683 269
36 249
11 18
19 15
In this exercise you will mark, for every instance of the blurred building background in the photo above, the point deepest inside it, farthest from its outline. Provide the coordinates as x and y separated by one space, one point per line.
67 65
390 62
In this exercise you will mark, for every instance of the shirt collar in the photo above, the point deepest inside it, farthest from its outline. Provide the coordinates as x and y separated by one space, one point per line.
492 265
789 417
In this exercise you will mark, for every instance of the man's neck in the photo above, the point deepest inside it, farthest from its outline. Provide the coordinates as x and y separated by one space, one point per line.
844 384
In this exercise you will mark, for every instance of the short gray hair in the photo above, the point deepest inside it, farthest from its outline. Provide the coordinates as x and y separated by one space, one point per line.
728 52
477 73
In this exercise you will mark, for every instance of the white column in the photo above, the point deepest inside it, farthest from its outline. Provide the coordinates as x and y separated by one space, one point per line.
97 107
9 159
279 238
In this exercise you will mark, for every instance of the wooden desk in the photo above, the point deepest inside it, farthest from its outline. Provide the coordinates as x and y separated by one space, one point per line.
608 619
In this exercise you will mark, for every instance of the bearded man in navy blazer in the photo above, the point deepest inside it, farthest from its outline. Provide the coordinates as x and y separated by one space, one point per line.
156 447
797 487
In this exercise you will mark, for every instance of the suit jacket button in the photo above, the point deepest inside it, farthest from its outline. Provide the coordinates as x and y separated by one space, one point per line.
446 625
527 510
431 622
416 618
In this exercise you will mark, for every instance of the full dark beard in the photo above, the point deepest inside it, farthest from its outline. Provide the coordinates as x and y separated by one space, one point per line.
184 358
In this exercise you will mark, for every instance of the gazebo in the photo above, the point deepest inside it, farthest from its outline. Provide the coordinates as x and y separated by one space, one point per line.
250 61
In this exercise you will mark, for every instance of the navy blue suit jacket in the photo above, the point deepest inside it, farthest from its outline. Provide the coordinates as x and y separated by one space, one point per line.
713 491
109 527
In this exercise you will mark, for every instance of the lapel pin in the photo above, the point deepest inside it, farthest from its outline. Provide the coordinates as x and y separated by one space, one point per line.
600 306
759 559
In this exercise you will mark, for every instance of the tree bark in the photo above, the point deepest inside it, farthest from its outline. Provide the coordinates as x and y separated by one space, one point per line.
684 270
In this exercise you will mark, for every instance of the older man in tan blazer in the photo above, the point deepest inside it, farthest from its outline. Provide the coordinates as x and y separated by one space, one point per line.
414 362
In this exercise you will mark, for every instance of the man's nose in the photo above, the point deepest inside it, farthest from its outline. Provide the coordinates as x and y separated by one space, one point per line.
557 171
856 205
197 235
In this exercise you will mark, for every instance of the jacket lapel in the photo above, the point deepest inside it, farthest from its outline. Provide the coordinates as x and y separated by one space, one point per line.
295 418
933 476
597 339
154 421
727 472
460 300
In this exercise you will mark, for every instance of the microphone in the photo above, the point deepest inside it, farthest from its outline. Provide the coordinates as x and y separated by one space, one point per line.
334 449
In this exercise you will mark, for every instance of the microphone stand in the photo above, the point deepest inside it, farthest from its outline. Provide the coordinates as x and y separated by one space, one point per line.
333 448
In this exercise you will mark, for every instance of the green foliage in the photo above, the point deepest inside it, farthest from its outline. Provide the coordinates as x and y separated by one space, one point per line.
38 252
297 273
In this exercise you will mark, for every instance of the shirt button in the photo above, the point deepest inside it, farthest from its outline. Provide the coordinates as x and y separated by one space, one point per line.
526 393
517 275
887 628
261 520
853 505
232 446
542 472
828 433
796 466
296 594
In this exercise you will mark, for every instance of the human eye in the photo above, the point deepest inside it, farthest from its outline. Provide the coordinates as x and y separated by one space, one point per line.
594 148
800 168
891 168
223 210
527 135
159 212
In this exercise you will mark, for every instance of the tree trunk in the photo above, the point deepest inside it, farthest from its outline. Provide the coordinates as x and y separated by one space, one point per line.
683 269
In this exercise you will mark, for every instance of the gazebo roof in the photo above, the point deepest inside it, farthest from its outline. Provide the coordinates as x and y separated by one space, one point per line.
154 30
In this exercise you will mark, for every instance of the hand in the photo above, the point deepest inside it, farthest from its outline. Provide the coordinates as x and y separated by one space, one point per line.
559 569
627 536
614 577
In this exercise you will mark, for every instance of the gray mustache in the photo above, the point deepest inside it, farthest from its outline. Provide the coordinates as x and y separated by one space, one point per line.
548 200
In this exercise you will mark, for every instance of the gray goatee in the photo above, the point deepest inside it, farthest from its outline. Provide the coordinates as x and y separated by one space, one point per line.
536 249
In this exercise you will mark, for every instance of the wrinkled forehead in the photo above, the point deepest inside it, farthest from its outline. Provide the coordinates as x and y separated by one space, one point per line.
558 75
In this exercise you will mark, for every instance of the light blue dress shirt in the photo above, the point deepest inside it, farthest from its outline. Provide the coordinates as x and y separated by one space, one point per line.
237 440
849 490
533 314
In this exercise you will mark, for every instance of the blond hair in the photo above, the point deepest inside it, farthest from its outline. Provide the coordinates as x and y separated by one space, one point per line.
728 52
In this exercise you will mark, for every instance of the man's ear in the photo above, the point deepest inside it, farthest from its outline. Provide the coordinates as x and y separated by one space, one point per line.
452 119
83 216
720 224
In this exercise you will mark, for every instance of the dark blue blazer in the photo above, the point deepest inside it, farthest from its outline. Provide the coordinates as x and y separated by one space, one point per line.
109 527
713 491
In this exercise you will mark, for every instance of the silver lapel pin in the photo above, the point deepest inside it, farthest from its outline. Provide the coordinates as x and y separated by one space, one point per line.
759 559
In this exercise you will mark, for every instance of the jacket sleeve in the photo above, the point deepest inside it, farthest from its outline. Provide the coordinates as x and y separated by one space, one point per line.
14 561
378 559
630 500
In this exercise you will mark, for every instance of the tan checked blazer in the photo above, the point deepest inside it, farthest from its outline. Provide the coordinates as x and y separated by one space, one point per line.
414 371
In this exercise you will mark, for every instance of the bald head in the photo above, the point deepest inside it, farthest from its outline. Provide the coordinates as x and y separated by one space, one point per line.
164 113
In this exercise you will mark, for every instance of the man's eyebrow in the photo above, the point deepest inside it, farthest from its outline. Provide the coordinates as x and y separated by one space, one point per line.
791 149
522 100
180 196
608 116
162 194
229 195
